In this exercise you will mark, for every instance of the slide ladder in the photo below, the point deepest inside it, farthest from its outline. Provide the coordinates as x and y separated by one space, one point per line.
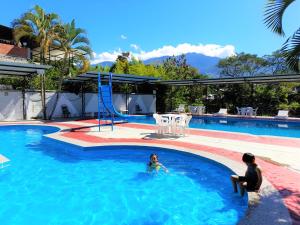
106 107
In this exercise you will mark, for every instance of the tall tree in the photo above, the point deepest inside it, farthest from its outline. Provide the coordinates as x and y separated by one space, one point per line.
242 65
276 64
273 18
39 26
122 64
176 68
74 43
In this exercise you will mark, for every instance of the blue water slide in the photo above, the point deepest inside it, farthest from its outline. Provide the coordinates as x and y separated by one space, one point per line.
105 103
107 100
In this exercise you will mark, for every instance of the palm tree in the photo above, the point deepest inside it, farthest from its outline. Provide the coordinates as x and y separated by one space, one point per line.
38 26
73 42
273 17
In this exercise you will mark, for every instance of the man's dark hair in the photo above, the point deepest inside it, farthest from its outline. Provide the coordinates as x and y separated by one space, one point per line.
248 158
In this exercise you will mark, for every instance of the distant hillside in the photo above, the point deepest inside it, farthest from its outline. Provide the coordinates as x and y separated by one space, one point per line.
106 63
205 64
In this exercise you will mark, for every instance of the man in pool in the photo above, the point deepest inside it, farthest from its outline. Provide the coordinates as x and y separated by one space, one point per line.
154 165
252 179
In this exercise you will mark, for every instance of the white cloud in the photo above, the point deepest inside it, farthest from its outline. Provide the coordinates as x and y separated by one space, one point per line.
135 47
123 37
213 50
105 56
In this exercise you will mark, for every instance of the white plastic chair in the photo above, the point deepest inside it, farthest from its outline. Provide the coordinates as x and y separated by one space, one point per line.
244 111
193 109
200 110
282 114
239 111
222 112
180 108
249 111
255 112
162 123
181 124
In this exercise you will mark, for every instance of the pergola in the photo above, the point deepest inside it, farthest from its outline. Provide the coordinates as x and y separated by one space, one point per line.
116 78
92 76
236 80
136 79
24 70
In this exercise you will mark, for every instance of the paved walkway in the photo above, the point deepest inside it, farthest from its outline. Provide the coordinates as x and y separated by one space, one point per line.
278 157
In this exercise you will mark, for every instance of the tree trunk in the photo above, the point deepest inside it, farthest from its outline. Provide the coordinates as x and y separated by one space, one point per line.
59 88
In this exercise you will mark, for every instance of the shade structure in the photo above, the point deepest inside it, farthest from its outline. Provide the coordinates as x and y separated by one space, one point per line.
23 70
235 80
136 79
116 78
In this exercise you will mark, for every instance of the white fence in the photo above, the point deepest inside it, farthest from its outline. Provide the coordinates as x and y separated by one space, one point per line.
11 104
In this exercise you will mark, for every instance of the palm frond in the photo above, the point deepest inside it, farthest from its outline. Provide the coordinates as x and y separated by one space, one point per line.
274 14
84 49
80 39
291 51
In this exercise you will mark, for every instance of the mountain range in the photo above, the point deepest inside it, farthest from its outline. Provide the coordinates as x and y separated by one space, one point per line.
205 64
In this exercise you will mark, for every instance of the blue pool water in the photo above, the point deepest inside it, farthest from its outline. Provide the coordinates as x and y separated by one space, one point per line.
49 182
250 126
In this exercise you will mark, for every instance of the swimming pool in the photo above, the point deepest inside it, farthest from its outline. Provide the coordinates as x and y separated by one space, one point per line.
243 125
50 182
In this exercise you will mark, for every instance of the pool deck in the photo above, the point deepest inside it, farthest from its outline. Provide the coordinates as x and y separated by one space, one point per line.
278 157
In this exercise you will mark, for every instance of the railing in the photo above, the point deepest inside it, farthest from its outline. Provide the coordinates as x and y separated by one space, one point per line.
8 58
3 41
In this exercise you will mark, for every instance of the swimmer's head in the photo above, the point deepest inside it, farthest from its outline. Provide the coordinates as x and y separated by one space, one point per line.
248 158
153 158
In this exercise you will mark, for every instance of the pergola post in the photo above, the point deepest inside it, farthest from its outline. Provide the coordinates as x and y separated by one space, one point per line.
23 99
43 94
252 93
82 101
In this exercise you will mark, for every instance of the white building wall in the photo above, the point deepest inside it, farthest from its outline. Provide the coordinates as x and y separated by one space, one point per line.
34 104
11 104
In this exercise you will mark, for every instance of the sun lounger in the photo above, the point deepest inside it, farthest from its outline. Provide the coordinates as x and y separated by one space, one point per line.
282 114
222 112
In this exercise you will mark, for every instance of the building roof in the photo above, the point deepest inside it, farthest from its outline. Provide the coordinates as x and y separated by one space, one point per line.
21 69
6 34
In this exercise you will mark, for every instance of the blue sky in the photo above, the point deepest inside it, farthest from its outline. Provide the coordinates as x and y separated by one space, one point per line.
156 27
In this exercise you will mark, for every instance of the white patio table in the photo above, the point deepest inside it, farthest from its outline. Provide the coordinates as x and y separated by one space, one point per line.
172 118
